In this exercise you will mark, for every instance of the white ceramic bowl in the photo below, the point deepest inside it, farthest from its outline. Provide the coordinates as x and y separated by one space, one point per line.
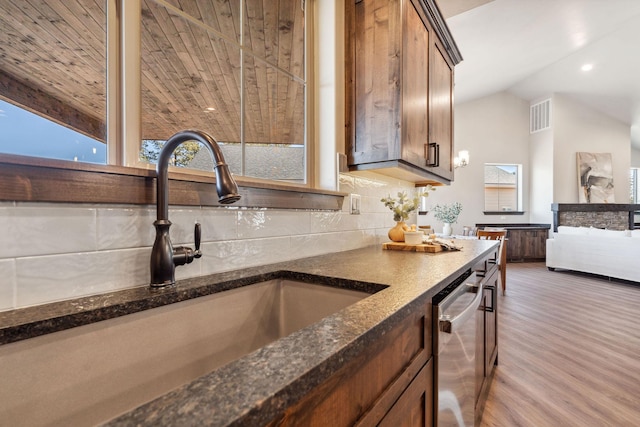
413 237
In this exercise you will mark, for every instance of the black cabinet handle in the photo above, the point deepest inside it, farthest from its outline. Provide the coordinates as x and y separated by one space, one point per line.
492 299
432 160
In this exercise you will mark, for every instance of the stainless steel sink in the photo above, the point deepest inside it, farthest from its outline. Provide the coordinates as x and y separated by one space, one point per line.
92 373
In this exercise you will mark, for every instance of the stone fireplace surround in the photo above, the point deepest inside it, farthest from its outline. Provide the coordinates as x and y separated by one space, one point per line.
613 216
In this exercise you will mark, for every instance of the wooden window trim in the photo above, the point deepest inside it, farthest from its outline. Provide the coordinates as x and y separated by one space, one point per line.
32 179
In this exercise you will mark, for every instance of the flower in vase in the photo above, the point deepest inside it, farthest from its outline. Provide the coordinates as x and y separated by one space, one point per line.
447 214
403 205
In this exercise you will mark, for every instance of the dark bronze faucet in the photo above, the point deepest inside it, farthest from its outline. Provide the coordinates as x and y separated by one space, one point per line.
164 258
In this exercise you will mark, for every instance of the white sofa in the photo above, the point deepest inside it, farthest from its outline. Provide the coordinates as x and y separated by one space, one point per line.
608 253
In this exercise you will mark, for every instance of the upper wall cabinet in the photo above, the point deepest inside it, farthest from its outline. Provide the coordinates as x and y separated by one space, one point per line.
400 61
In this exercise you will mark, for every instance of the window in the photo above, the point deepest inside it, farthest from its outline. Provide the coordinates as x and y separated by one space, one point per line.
53 79
30 134
634 186
235 69
240 80
502 188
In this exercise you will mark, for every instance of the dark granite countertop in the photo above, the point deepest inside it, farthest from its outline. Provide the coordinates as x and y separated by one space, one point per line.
254 389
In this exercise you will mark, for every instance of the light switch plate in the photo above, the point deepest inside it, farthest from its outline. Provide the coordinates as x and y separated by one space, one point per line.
355 204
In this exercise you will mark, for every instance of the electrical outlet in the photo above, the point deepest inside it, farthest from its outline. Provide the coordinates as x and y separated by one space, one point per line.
355 204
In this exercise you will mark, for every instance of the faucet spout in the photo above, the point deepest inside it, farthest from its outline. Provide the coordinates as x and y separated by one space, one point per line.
164 258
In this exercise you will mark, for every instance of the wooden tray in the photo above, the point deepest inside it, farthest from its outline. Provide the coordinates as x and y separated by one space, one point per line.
401 246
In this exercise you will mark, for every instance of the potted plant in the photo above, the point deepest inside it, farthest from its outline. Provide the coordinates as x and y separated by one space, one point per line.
447 214
401 207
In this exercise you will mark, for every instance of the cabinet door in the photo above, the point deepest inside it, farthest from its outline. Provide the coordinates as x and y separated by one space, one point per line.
414 408
392 53
534 244
486 339
415 87
441 105
480 353
377 79
365 389
514 245
491 325
527 245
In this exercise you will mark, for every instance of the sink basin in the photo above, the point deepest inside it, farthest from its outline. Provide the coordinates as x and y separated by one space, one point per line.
90 374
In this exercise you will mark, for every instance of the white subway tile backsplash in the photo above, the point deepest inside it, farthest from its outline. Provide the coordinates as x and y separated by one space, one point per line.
372 220
379 185
324 222
7 284
219 224
346 183
272 223
62 251
315 244
120 228
373 204
238 254
183 220
40 229
51 278
318 244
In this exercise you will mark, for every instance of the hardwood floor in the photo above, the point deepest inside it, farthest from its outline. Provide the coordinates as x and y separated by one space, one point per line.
569 351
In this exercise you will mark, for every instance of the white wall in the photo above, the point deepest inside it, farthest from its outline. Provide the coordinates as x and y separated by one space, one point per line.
576 128
541 176
494 129
635 158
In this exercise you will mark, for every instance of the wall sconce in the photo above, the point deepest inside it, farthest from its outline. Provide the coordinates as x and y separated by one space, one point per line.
461 160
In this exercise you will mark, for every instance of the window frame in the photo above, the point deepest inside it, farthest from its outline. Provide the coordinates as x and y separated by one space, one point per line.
519 188
30 179
35 179
634 182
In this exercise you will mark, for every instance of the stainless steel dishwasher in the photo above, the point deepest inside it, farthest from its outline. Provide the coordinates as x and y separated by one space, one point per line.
455 310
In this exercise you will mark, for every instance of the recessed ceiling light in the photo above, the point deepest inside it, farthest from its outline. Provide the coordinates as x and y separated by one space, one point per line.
587 67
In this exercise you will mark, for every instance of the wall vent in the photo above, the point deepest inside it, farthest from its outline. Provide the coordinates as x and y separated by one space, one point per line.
540 116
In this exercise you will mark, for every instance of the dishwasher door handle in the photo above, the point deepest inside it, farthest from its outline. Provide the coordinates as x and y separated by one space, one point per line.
450 325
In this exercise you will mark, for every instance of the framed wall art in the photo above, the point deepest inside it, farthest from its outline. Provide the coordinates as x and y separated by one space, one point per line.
595 178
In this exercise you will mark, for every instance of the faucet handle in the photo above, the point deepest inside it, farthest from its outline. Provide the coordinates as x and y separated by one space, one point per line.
197 234
184 255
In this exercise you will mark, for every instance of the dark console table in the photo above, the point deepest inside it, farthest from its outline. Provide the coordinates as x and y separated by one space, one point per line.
527 242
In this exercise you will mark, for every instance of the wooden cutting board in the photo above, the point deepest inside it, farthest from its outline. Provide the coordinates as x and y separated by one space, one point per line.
401 246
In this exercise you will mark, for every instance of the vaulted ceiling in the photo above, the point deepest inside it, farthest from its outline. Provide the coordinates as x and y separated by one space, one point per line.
533 48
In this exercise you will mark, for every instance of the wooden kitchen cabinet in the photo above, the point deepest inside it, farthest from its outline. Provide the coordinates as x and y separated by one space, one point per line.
391 376
491 322
440 158
535 244
525 242
486 337
414 408
400 64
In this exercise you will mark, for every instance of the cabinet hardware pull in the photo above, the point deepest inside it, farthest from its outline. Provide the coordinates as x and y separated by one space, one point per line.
432 147
491 308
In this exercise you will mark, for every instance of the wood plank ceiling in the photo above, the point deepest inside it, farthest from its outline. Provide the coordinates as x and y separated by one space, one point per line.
53 63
